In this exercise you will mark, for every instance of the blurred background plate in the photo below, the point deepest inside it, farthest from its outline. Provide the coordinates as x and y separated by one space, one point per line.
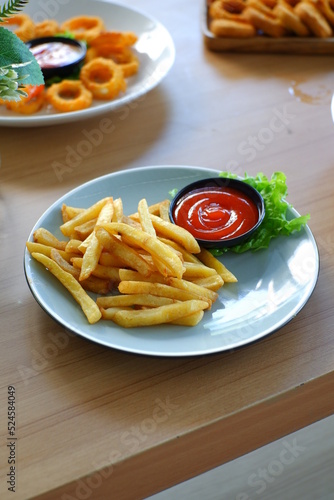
262 44
154 49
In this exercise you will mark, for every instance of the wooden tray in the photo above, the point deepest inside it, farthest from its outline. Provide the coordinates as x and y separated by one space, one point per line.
265 44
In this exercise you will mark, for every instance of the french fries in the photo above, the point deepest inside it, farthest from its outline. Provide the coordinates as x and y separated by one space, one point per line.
83 216
210 261
144 218
144 269
44 237
89 307
156 316
94 247
173 265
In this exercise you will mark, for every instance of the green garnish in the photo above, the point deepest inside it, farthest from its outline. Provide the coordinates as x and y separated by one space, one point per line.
275 222
75 75
65 34
173 192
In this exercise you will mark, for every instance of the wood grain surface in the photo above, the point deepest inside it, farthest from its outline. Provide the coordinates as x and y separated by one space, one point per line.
106 424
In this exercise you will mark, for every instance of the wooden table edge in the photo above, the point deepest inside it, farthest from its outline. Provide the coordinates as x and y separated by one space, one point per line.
186 456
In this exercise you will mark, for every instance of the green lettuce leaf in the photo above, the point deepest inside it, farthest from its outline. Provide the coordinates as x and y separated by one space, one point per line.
275 222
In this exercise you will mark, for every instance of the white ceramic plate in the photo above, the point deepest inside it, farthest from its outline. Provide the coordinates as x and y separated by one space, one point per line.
273 284
154 48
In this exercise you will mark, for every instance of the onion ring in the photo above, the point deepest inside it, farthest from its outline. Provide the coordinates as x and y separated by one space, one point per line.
49 27
115 38
103 77
25 26
223 9
69 95
84 27
261 6
123 57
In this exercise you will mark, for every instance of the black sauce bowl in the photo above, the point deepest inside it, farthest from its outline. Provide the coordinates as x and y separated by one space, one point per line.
65 69
223 182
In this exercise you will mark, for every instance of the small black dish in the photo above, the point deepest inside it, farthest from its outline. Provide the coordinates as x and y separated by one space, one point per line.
74 53
221 183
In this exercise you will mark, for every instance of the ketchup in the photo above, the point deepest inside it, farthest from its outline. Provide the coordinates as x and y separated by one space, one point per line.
216 213
55 54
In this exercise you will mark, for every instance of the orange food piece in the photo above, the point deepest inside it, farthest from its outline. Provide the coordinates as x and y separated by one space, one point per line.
49 27
84 27
30 104
122 56
25 29
103 77
115 38
69 95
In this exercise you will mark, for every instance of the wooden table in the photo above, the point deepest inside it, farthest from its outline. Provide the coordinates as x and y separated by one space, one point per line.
98 423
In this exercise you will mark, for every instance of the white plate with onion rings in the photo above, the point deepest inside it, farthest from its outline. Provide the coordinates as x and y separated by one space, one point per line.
273 284
154 49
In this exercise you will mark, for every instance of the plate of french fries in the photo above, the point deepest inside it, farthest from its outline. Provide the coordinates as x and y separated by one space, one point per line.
151 46
270 26
106 263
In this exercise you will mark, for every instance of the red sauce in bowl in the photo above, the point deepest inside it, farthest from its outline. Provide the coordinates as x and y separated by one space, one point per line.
216 213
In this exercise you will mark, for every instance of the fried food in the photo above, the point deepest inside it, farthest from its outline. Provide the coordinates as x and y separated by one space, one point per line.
123 56
290 20
69 95
33 102
44 236
313 19
175 233
219 9
264 22
157 316
232 28
140 277
82 216
326 9
103 78
24 27
94 248
128 255
110 59
210 261
274 18
144 218
48 27
84 27
115 39
88 305
172 264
